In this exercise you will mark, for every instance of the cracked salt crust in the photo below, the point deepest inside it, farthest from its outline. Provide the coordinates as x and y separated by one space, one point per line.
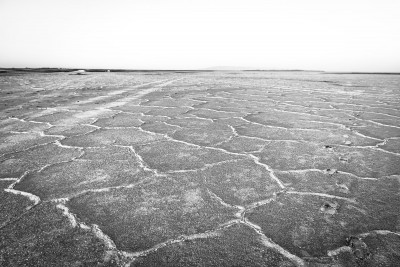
248 104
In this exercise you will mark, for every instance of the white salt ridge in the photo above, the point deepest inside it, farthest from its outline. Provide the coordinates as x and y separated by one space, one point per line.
351 200
35 199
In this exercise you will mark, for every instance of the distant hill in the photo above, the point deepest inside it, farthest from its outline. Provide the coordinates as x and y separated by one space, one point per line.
238 68
229 68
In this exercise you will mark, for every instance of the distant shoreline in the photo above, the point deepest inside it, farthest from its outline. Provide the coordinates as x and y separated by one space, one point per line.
55 70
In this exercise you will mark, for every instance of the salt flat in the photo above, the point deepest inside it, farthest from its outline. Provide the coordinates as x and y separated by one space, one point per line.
199 169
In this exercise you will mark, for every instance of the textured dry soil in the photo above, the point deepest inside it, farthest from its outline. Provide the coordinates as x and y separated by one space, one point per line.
199 169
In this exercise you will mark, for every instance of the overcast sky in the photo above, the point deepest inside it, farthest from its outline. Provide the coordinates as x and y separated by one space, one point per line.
341 35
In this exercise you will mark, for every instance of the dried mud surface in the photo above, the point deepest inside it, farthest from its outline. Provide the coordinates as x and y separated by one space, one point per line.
200 169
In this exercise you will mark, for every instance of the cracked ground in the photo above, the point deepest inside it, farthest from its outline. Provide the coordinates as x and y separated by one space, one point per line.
200 169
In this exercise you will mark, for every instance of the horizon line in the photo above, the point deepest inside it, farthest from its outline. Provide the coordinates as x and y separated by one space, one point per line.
57 69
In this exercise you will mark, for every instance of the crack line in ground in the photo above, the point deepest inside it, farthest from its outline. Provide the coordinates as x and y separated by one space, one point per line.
26 149
145 181
373 148
254 158
351 200
270 244
8 179
33 198
206 166
111 248
132 256
302 171
374 122
141 162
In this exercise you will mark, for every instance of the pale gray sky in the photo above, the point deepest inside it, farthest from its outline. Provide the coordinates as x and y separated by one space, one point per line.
341 35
